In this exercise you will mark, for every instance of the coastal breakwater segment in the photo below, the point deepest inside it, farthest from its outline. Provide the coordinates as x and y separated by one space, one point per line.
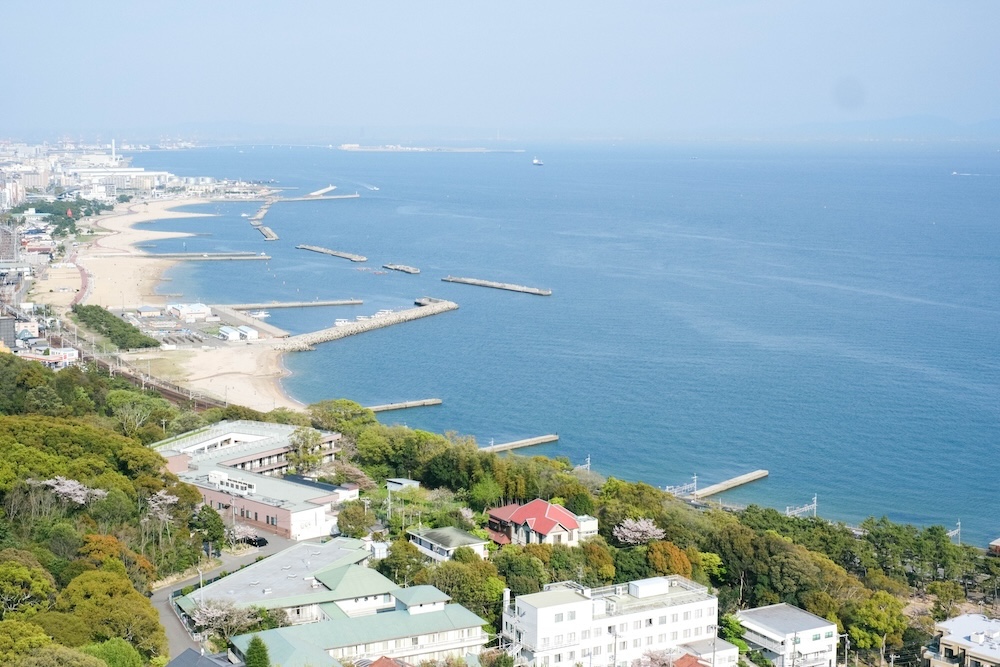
507 286
405 405
518 444
728 484
207 256
306 341
402 267
334 253
293 304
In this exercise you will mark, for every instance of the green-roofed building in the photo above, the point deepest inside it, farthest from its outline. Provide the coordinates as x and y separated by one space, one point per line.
423 626
310 582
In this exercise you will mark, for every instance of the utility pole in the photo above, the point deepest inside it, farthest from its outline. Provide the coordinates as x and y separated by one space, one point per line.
892 659
847 646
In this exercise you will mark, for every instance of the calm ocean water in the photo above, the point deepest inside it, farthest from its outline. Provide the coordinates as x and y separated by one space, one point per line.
827 313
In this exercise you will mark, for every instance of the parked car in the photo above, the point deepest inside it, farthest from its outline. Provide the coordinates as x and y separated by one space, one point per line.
255 541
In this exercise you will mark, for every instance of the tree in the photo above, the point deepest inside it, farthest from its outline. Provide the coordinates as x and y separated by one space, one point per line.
523 572
340 415
354 520
878 622
19 638
667 558
632 532
23 589
403 563
256 655
224 617
54 655
208 522
109 604
306 449
947 594
115 652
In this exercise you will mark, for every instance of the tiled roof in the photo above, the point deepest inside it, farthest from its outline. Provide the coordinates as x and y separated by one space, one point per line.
541 516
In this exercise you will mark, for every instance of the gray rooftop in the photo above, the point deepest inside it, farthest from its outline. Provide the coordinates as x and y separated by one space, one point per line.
783 619
287 575
449 537
417 595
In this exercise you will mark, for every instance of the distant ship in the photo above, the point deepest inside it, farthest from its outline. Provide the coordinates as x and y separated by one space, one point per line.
537 162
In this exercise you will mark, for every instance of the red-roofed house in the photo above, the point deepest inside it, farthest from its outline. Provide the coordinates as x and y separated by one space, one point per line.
539 522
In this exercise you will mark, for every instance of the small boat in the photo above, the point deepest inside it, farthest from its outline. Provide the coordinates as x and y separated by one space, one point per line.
244 215
341 323
260 314
537 162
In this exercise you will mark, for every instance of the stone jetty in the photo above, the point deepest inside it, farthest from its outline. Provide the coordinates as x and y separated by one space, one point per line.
306 341
334 253
495 285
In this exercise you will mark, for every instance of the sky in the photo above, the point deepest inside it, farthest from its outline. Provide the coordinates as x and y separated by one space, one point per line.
543 69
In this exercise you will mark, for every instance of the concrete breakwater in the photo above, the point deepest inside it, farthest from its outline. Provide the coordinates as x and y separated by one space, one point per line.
293 304
495 285
517 444
402 267
405 405
268 233
306 341
334 253
206 256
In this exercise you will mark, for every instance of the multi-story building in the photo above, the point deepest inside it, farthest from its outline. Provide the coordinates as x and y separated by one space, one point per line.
539 522
440 544
969 640
789 636
237 468
568 623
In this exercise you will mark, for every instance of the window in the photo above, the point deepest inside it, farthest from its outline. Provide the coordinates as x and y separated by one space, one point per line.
415 641
545 641
557 657
597 632
687 616
559 618
623 645
697 631
545 661
571 637
673 618
571 616
663 620
661 637
585 634
622 627
572 655
649 640
584 653
636 625
816 637
687 633
673 635
649 622
828 634
636 643
798 640
597 650
559 640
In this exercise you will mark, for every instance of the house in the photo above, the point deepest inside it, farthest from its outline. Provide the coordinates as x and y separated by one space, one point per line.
994 549
789 636
236 467
567 623
538 522
969 640
423 626
440 543
310 582
188 312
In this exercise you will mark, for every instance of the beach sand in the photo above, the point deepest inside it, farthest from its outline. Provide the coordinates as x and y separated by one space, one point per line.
120 274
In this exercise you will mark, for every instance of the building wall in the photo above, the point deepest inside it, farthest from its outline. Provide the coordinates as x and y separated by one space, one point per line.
436 646
264 518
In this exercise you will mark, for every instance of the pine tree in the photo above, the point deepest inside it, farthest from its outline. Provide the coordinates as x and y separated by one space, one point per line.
257 653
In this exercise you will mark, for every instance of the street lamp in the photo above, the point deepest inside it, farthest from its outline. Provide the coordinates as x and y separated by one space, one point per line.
847 645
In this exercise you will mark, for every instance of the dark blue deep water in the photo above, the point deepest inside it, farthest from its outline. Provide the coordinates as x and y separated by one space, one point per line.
828 313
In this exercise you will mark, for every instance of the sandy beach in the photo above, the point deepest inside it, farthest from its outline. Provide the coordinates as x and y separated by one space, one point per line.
112 272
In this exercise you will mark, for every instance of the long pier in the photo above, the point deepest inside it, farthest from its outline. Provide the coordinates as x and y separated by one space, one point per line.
518 444
405 405
320 198
334 253
728 484
495 285
291 304
306 341
206 256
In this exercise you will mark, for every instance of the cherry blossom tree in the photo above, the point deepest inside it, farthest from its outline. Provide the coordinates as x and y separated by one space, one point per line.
632 532
224 617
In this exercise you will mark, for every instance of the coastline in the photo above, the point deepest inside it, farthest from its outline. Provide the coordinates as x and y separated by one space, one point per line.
112 272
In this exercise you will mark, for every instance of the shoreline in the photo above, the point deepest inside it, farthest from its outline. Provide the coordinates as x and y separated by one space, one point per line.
112 272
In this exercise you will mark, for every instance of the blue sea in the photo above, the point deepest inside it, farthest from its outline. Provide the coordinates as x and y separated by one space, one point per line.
827 312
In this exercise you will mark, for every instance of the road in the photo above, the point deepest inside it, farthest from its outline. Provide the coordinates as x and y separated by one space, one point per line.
178 638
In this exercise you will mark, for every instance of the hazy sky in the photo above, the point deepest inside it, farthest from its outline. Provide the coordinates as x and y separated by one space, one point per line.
541 69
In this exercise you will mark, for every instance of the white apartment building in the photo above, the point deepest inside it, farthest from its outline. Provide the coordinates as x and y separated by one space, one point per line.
789 636
969 640
568 624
